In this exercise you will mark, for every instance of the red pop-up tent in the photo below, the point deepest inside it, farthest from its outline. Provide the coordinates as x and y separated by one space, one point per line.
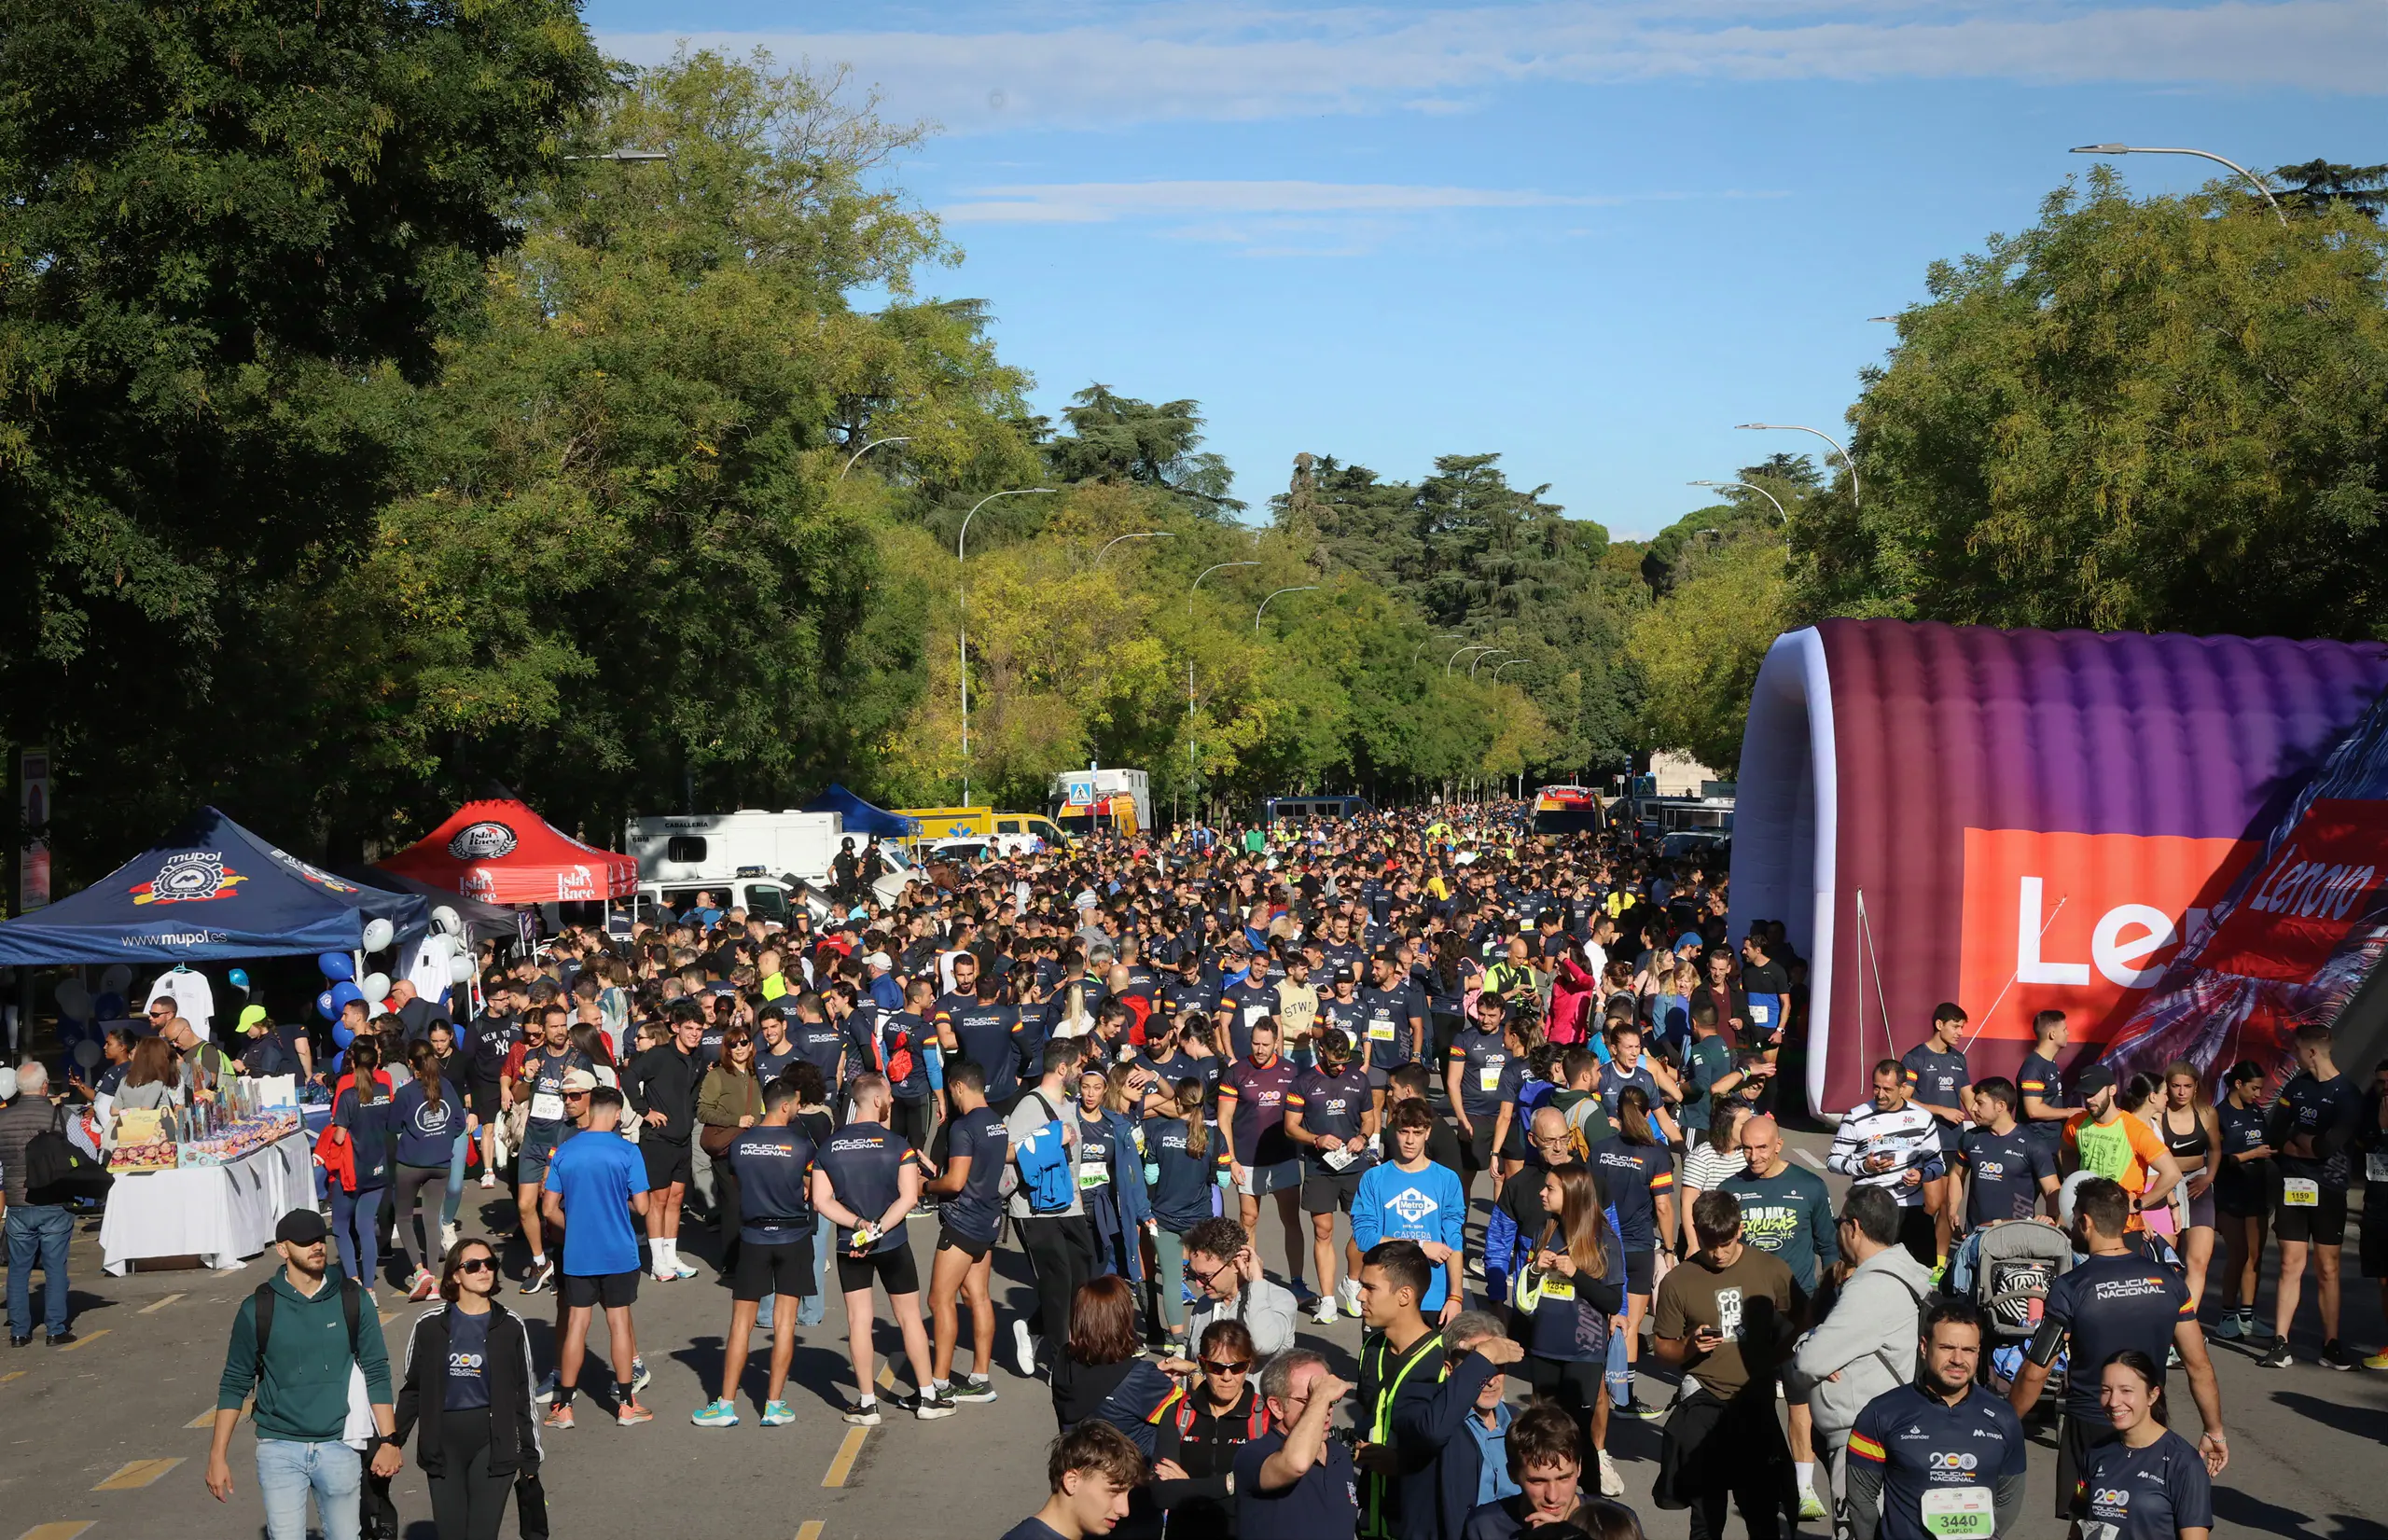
500 852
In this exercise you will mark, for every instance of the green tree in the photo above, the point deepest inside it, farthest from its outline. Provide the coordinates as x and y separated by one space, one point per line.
2324 184
2167 413
1120 439
1698 647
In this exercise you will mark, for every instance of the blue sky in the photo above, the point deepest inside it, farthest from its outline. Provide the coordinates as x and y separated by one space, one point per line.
1590 237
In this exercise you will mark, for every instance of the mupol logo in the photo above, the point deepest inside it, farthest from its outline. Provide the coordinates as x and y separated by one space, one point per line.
483 841
189 877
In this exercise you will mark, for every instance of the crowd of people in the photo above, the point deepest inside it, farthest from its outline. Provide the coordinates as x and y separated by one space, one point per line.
1512 1099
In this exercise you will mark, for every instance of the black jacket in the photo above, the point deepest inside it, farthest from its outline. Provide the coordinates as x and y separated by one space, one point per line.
514 1421
664 1079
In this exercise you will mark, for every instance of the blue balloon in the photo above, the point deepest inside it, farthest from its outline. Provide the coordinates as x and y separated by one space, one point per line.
327 1007
108 1007
342 1037
342 992
240 979
336 965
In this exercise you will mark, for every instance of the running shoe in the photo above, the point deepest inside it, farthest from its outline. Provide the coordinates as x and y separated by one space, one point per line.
1348 1291
425 1286
663 1274
682 1270
1810 1505
1612 1483
547 1387
641 1376
1322 1309
1023 1348
719 1414
2335 1357
447 1236
863 1414
559 1417
489 1179
974 1387
542 1276
630 1414
777 1414
929 1408
2376 1360
2230 1327
1637 1408
2279 1359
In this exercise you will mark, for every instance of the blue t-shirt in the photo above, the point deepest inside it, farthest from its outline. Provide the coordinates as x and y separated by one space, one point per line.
1427 1204
1325 1502
1635 1174
2109 1303
865 1162
2145 1494
976 1211
595 1172
372 1135
2007 1169
1331 1106
427 1130
1925 1447
467 1359
1179 1180
774 1168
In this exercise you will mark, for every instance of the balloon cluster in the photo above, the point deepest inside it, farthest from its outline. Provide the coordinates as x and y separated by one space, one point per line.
340 974
80 1011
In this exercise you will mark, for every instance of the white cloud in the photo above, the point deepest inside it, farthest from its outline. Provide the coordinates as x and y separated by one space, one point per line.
1107 67
1098 203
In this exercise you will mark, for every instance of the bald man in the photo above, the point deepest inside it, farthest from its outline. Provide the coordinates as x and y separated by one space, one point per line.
1787 1211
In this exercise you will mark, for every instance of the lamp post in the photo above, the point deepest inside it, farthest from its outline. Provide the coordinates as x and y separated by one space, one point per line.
1140 534
1435 636
1477 662
1472 646
1192 764
961 623
2202 155
1305 587
625 155
899 439
1747 487
1793 427
1510 664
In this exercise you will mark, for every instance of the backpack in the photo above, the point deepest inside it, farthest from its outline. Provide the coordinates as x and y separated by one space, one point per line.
58 1172
2017 1263
352 1307
1048 1174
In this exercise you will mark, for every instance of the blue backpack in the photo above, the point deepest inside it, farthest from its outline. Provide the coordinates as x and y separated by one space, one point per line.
1047 1174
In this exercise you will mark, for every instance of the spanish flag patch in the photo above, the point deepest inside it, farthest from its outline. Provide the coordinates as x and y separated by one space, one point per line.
1866 1448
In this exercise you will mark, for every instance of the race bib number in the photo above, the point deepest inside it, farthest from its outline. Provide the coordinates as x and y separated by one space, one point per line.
1760 1013
1380 1031
2375 1166
1094 1176
1488 1079
2300 1192
546 1106
1556 1287
1962 1511
1337 1160
1254 1013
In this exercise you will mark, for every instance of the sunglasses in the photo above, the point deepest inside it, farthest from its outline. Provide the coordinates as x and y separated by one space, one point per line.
576 1096
1212 1367
479 1264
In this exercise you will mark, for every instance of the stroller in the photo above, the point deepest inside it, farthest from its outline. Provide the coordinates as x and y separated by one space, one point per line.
2011 1267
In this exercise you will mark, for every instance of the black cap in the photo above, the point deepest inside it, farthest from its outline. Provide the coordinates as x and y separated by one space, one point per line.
302 1227
2091 1079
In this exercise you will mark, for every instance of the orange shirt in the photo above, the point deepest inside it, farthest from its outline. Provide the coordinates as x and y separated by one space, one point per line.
2124 1150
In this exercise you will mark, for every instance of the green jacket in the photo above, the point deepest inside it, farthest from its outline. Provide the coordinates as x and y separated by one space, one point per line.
302 1392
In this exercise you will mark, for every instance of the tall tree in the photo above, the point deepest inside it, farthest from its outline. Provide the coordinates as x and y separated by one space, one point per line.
1120 439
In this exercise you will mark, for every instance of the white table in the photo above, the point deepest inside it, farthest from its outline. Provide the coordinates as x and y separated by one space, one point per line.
221 1214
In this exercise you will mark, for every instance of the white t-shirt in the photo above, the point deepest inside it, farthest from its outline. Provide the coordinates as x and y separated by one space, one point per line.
194 999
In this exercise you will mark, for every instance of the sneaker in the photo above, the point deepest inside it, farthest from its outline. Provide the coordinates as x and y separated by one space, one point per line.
2337 1357
1023 1348
489 1179
425 1285
929 1408
974 1387
1939 1270
2173 1358
2279 1359
1348 1291
1612 1483
719 1414
2376 1360
777 1414
641 1376
447 1238
630 1414
559 1417
2230 1328
664 1275
1637 1408
682 1270
1322 1309
863 1414
542 1276
1810 1505
547 1387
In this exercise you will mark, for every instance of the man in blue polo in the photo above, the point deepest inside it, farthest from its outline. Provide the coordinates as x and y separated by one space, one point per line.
1942 1456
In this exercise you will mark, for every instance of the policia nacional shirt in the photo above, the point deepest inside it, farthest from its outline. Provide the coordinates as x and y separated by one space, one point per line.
2145 1494
1922 1469
2106 1304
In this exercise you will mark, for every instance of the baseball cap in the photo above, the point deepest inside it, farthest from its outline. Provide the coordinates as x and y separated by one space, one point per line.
879 960
2091 1079
578 1080
302 1227
251 1016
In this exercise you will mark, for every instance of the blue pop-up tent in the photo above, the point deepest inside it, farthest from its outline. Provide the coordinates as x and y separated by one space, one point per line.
860 816
209 890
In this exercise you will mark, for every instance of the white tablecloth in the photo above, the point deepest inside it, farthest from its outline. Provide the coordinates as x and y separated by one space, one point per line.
221 1214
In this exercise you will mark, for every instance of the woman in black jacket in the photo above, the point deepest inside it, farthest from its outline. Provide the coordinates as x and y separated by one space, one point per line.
1200 1429
468 1380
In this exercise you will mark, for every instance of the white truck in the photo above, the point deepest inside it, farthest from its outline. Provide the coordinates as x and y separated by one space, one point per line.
795 849
1094 797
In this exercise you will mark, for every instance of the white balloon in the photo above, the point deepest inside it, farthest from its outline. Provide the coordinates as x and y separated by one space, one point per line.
446 921
116 979
378 935
460 969
73 999
87 1052
375 985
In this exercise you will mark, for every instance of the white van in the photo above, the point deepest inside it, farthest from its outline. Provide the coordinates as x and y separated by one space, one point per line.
686 847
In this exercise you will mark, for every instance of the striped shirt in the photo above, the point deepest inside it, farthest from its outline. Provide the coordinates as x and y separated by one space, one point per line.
1910 1136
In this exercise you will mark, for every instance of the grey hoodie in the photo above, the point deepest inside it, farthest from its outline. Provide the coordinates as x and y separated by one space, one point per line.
1868 1340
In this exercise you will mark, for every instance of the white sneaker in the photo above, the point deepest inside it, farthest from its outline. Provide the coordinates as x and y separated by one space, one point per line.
1322 1309
663 1274
1612 1484
489 1179
682 1270
1023 1349
1348 1291
447 1238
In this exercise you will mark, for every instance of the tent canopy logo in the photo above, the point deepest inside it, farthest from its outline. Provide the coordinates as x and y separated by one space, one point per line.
189 877
483 841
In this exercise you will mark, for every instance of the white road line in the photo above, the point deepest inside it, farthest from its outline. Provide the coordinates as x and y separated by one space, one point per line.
1811 1157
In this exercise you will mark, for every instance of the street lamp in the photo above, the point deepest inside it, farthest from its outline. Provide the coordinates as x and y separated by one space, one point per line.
625 155
2202 155
1747 487
1435 636
1510 664
961 623
1793 427
1472 646
1306 588
899 439
1477 662
1140 534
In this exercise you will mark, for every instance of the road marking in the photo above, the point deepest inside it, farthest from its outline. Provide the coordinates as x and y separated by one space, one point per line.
12 1374
135 1474
809 1529
849 1450
86 1339
388 1316
204 1420
886 1376
1809 1157
66 1530
152 1309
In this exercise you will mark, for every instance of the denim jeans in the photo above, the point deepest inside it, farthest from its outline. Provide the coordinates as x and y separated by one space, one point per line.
288 1471
38 1234
356 1226
817 1305
454 1199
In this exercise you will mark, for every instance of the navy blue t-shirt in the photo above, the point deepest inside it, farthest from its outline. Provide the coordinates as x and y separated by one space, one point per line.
865 1162
975 1212
1925 1447
372 1136
1325 1502
427 1130
820 1044
468 1385
1332 1106
774 1168
1481 1056
988 1034
2006 1171
1384 1021
1180 1181
1635 1174
2110 1303
2145 1494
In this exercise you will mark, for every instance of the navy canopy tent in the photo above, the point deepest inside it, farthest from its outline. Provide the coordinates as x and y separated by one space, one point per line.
209 890
860 816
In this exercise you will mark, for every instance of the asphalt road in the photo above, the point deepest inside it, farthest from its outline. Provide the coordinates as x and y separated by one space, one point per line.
107 1439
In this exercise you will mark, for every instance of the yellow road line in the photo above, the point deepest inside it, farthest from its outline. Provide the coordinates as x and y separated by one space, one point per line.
135 1474
12 1374
388 1316
849 1450
86 1339
204 1420
886 1376
152 1309
66 1530
809 1529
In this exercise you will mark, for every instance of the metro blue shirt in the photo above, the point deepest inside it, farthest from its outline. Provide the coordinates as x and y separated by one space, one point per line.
595 1172
1426 1205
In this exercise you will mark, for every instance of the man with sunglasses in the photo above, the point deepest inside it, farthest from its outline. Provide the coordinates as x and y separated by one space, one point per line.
541 1082
598 1179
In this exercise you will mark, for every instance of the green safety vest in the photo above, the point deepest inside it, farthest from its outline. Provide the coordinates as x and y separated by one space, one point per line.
1372 1522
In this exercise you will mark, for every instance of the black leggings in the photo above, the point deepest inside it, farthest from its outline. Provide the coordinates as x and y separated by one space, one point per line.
467 1502
405 1214
1576 1386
